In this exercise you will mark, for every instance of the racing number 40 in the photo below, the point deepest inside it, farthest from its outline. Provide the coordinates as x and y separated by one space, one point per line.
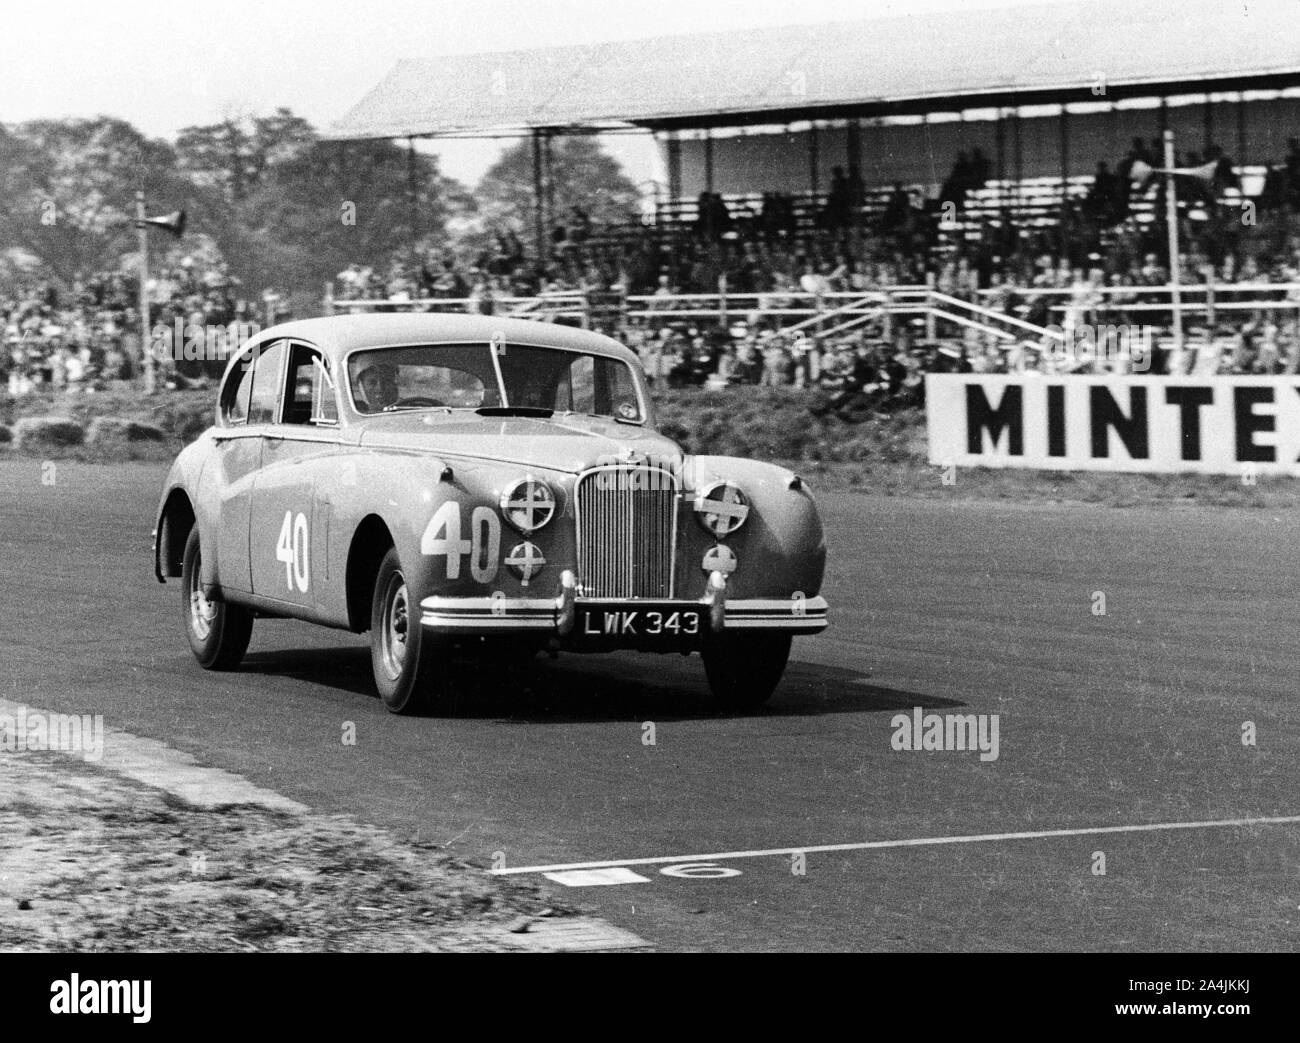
442 536
292 549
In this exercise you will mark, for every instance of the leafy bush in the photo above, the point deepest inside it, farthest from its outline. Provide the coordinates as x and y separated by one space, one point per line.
786 424
110 430
48 432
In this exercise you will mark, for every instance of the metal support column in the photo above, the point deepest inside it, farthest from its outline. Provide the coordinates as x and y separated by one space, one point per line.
854 132
1171 217
1063 147
1000 145
413 199
1017 165
1241 129
539 204
673 146
814 159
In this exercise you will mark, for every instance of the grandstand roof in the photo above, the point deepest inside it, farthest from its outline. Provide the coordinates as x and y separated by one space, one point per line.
912 63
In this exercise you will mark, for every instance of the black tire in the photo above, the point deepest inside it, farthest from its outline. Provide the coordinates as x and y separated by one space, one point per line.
744 668
218 631
404 657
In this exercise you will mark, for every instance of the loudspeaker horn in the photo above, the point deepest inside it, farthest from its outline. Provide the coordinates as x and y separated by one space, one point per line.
173 222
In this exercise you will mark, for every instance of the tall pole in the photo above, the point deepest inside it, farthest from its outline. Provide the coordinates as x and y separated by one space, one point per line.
674 147
855 181
142 233
814 162
1000 144
548 178
539 220
1063 146
413 194
1171 219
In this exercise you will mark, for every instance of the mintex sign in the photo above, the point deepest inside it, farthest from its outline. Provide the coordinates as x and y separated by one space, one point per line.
1214 425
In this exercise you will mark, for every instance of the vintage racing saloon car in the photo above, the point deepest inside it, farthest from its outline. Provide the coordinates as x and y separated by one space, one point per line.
458 484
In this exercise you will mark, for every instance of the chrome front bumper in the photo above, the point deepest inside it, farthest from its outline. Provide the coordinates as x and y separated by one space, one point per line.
556 616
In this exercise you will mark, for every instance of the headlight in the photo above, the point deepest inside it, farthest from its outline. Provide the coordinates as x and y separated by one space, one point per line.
526 561
528 504
721 508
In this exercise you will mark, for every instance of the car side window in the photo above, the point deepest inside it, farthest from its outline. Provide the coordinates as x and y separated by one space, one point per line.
309 388
266 385
238 388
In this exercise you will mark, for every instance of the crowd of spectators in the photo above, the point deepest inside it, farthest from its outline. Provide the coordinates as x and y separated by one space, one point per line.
841 245
87 334
1054 273
1091 267
876 368
860 372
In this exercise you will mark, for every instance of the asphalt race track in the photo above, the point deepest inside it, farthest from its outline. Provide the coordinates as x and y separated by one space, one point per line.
1126 719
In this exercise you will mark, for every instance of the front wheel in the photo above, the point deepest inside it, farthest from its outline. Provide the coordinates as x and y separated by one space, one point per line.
403 657
744 669
219 632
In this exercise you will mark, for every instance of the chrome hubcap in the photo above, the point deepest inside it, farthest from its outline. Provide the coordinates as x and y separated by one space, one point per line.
202 611
396 626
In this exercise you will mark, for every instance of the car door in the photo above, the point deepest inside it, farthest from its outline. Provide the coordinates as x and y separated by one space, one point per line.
253 381
289 531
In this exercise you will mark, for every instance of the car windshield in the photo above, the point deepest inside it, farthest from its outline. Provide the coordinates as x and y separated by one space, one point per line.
498 376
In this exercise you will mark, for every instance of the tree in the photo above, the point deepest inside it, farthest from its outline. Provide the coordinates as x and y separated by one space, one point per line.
582 175
283 209
67 190
342 202
235 154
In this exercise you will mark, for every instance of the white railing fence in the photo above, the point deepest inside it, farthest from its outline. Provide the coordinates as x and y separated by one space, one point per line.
945 315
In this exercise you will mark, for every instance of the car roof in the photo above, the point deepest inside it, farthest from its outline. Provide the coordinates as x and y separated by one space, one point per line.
339 334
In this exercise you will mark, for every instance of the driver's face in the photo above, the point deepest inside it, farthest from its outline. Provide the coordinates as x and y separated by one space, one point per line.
379 387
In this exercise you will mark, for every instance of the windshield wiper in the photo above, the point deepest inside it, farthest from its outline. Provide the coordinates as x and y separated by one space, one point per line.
533 411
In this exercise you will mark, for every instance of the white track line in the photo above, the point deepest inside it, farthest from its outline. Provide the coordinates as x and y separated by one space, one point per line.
158 765
871 845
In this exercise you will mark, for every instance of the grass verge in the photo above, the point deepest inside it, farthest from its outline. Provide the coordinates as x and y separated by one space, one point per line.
97 863
869 452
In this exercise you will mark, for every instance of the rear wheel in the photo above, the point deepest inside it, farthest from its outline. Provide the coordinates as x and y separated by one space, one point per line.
744 668
403 656
218 631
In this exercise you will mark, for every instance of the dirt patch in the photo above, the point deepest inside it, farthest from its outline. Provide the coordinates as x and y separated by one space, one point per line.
91 862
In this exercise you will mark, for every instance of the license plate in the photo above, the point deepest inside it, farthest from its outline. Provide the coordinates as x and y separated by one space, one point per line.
657 622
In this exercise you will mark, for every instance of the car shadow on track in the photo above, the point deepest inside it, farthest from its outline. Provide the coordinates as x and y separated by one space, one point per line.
595 688
344 668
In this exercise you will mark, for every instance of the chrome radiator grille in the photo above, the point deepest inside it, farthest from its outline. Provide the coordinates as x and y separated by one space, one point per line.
627 523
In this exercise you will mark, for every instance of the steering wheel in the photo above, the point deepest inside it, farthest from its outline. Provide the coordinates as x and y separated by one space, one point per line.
419 400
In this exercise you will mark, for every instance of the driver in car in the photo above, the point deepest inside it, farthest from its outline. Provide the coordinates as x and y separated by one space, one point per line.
378 386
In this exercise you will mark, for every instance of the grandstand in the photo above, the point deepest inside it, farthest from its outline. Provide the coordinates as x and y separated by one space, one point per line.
924 190
1045 93
966 136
